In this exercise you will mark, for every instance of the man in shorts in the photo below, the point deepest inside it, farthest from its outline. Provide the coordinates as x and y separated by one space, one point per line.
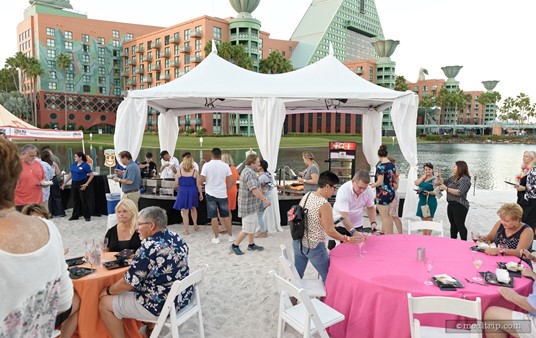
250 200
161 260
217 177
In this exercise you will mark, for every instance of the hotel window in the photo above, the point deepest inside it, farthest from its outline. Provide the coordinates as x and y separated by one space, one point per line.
117 82
101 41
50 31
216 32
198 55
186 59
102 61
187 35
115 43
186 69
71 67
117 91
51 64
130 36
176 73
68 35
52 85
86 79
115 34
102 71
85 38
166 40
102 51
197 44
176 49
85 58
69 76
149 67
166 63
68 45
70 87
260 43
51 43
86 89
157 42
157 54
86 68
51 53
102 80
52 75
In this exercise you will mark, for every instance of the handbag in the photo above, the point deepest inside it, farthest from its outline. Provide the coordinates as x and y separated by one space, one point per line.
297 221
425 209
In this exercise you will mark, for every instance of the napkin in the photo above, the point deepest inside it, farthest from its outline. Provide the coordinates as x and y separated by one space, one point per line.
482 245
502 276
513 266
445 279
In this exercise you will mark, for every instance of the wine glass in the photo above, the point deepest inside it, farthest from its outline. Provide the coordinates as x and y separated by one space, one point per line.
477 263
502 248
475 236
361 251
428 264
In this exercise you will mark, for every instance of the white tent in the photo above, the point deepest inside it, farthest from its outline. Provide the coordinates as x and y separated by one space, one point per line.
219 86
18 129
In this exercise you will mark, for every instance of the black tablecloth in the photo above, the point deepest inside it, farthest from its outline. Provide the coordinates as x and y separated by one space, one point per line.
98 188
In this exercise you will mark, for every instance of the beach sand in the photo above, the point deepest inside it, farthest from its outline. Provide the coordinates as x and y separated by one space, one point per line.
238 297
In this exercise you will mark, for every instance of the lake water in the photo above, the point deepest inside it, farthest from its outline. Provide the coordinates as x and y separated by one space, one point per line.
491 164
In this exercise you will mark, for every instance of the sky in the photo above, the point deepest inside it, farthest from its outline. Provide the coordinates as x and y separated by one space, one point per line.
490 38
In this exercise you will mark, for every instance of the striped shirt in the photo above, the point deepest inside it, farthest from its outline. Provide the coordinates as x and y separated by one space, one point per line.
462 185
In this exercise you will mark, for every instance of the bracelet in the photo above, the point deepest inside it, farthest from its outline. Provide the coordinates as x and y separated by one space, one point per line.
108 290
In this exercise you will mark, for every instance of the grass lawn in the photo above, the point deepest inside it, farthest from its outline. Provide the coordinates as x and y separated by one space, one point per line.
234 142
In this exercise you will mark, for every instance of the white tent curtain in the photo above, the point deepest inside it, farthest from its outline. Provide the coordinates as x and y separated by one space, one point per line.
404 117
372 137
132 117
168 131
268 118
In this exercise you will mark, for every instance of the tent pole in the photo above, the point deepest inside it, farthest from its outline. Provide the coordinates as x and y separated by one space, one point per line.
83 146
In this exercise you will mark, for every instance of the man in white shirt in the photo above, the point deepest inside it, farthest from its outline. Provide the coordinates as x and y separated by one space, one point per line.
217 177
170 167
351 198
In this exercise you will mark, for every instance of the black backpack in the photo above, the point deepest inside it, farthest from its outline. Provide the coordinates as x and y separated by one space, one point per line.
297 220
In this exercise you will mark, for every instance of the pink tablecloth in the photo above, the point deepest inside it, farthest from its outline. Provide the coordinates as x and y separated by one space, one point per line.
372 292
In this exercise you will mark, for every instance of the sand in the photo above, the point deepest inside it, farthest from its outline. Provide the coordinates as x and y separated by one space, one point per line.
237 295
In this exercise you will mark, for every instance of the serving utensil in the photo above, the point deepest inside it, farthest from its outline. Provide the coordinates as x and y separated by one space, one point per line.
473 282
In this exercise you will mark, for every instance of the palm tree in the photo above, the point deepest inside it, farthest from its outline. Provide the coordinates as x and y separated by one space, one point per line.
401 84
232 53
63 64
275 63
18 63
6 80
33 71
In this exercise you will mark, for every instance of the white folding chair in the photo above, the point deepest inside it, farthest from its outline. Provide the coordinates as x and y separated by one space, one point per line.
425 225
448 305
315 287
170 317
309 316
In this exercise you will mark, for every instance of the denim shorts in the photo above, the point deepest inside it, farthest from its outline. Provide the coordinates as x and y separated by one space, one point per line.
215 204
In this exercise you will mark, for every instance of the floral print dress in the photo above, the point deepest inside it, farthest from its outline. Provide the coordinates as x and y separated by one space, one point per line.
385 193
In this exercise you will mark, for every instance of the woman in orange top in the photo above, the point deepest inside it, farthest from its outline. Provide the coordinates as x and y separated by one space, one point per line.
232 193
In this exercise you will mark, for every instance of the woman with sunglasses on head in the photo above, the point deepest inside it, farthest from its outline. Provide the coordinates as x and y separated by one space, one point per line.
426 194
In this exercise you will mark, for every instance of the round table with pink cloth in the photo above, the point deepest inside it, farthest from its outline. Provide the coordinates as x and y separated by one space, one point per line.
372 291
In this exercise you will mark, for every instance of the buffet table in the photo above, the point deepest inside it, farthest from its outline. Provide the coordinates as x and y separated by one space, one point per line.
98 188
372 291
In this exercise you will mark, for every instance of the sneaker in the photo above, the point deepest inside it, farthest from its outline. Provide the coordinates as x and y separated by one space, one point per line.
231 238
255 247
215 240
236 250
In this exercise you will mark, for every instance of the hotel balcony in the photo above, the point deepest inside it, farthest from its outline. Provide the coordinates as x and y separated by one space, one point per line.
131 82
123 54
140 70
174 39
140 50
174 63
165 77
156 45
196 59
184 49
181 73
165 54
149 58
132 62
157 67
125 74
148 80
197 33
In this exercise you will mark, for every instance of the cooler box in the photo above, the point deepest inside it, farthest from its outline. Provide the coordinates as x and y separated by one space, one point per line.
111 201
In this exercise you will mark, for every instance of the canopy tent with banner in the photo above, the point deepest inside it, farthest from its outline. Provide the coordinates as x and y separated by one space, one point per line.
217 85
17 129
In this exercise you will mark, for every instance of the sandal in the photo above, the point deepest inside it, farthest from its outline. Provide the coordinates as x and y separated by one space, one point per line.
186 232
196 227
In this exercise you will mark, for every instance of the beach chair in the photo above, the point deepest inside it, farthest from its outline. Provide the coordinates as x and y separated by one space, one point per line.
425 225
309 316
315 287
448 305
170 317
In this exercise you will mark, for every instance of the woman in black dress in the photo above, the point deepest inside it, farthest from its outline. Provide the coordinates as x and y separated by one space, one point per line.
123 235
526 202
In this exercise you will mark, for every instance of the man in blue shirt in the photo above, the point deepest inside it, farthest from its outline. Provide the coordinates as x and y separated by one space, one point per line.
131 178
161 260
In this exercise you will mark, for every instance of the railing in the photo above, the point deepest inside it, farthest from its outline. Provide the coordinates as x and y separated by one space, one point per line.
174 39
140 50
165 54
196 33
184 49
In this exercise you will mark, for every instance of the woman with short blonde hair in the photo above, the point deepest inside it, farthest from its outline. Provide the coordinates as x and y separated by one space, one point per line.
123 235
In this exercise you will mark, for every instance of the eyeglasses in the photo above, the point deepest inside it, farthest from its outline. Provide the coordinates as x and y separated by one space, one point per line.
142 223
